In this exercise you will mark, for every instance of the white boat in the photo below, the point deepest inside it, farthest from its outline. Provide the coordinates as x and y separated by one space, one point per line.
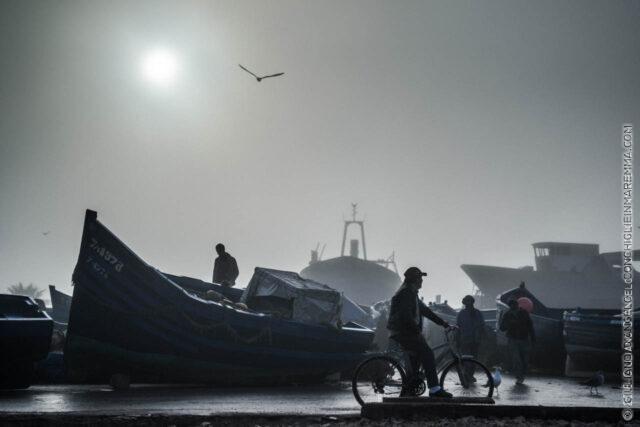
565 275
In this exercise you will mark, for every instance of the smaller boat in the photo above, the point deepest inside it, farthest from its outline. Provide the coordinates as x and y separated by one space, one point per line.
548 354
25 336
60 306
592 339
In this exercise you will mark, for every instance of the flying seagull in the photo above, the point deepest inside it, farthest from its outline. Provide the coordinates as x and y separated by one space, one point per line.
263 77
594 382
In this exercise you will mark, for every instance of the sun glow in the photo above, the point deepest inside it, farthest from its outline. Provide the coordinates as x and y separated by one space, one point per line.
160 67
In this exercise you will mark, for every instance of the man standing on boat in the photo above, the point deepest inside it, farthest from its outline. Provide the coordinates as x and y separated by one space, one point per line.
471 329
405 326
225 268
519 330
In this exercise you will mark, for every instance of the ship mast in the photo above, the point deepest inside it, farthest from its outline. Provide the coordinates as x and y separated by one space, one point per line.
352 221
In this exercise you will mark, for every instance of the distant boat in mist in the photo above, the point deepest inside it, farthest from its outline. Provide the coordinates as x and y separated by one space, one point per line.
566 275
362 280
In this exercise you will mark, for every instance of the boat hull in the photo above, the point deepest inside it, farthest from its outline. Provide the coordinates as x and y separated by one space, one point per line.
592 339
25 336
364 282
127 317
61 305
594 289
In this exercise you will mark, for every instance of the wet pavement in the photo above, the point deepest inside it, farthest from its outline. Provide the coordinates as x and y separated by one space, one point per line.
310 401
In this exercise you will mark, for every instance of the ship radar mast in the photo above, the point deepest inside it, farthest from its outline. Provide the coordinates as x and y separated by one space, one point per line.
389 262
354 244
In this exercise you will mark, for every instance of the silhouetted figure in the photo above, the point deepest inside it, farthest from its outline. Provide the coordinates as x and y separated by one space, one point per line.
519 328
405 326
471 329
225 268
259 79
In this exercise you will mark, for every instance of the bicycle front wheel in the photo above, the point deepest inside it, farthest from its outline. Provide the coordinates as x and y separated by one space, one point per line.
377 378
467 378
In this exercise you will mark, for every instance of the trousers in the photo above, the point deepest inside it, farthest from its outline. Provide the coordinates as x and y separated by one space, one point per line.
418 345
520 350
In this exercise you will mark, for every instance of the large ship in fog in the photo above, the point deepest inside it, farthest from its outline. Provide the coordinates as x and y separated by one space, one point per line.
565 275
362 280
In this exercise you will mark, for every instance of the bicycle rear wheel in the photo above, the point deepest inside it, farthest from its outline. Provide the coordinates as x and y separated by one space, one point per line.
377 378
467 378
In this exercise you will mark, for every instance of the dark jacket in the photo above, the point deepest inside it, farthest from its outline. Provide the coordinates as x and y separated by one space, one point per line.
225 270
517 324
471 324
406 312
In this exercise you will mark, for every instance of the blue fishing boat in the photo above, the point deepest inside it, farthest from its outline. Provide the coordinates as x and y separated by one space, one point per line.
128 317
25 335
593 339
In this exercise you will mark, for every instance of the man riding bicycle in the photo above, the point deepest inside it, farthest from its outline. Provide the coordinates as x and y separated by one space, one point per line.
405 326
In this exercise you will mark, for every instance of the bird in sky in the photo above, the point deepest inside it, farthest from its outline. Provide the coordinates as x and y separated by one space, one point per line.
46 233
260 78
594 382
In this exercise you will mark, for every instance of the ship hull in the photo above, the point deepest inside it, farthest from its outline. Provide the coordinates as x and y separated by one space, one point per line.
553 288
364 282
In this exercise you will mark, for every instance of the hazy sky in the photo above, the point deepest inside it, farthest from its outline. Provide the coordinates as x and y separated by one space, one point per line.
466 130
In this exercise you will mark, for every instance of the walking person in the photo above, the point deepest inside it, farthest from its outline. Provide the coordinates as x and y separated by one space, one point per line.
225 267
471 330
405 326
519 330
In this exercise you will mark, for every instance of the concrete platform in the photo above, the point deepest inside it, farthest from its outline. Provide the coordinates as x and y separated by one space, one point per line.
440 400
431 411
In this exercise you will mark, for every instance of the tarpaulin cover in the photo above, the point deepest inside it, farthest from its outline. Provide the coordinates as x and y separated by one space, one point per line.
352 312
290 296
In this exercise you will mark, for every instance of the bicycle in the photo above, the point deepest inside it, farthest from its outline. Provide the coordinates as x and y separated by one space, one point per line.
391 374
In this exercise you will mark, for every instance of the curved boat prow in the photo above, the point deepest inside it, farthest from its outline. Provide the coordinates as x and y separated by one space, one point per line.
128 317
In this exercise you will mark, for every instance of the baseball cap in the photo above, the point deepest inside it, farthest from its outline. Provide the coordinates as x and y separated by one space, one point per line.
413 272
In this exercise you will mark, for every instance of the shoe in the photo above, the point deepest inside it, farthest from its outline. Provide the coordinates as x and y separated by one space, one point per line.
520 381
441 393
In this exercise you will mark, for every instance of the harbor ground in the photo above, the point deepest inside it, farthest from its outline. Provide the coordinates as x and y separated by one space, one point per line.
327 404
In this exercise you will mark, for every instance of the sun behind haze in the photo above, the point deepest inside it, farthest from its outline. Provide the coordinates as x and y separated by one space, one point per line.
160 66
